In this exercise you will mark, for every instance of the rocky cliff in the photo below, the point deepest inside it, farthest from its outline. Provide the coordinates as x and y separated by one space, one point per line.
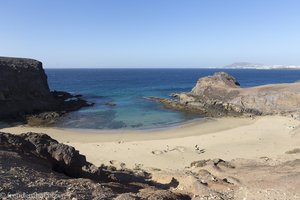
221 95
24 90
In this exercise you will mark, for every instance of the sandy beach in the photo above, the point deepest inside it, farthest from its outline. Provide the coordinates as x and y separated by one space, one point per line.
175 148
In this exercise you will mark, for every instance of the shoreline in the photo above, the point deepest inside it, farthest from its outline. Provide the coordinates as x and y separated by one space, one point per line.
180 130
175 148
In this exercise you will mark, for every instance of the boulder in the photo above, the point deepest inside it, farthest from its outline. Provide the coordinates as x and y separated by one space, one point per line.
59 157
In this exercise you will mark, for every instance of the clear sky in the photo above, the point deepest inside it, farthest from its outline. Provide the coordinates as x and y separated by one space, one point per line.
151 33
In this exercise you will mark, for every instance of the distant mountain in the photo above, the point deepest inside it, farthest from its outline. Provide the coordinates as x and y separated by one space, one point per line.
247 65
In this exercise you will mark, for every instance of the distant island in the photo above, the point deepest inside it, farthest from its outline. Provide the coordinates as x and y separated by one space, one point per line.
248 65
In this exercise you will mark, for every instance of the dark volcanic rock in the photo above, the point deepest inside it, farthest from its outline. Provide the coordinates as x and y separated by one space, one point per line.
110 103
57 156
27 161
64 158
24 90
23 87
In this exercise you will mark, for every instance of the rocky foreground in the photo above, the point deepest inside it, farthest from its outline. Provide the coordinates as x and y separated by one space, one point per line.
25 94
221 95
35 166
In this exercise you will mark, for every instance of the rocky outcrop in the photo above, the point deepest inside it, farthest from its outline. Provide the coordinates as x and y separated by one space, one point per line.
221 95
32 160
24 90
61 158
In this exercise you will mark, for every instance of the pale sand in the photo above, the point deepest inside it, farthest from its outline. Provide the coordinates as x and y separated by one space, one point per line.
174 148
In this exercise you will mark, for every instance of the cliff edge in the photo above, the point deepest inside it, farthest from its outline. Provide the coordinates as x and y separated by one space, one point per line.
24 90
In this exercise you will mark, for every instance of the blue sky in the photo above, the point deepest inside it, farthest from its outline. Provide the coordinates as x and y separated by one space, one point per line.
151 33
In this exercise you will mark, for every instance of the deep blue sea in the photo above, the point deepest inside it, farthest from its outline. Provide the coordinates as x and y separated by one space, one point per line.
128 87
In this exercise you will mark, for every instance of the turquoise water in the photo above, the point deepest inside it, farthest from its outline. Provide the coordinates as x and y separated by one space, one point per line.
127 88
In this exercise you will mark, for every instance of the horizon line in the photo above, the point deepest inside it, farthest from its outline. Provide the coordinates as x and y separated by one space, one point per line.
225 68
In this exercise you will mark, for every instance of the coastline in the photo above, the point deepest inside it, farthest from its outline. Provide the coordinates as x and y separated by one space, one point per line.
180 130
175 148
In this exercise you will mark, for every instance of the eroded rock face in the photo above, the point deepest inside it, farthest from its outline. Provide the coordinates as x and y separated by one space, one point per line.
62 158
220 80
24 90
23 86
221 95
57 156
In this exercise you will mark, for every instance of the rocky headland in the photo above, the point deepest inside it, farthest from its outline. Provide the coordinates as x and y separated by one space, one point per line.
25 94
221 95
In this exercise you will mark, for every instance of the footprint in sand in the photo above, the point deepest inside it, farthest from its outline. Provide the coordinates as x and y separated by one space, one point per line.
291 127
198 150
113 162
122 165
157 152
138 166
177 148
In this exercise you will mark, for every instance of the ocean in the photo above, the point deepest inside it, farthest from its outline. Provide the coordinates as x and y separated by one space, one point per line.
125 90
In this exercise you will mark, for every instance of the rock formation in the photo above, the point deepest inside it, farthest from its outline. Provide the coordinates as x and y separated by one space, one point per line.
60 157
221 95
29 164
24 90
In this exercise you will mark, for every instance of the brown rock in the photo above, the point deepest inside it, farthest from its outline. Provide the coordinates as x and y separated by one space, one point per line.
220 95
